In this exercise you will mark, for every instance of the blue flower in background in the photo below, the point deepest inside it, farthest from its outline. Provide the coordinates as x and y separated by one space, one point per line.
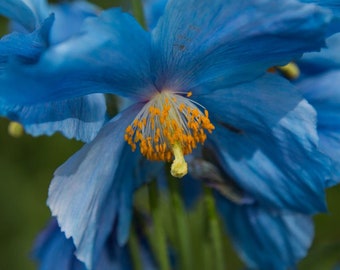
197 78
319 84
34 32
317 81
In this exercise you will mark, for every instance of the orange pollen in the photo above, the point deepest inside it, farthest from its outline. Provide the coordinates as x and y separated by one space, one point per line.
168 121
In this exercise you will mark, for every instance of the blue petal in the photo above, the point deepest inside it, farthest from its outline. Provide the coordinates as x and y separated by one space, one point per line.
28 13
223 43
55 252
266 140
25 48
106 58
69 18
327 59
323 93
40 8
206 168
334 5
191 191
267 239
93 190
79 118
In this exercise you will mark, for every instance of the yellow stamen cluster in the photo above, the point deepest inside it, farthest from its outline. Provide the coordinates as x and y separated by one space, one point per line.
168 126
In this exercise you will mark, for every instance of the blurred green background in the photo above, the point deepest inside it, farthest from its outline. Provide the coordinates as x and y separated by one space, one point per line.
26 168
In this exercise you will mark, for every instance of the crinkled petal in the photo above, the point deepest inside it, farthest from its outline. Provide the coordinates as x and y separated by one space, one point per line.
19 11
334 5
28 13
55 252
93 190
327 59
334 27
104 58
223 43
40 7
69 18
24 48
267 239
323 93
266 140
79 118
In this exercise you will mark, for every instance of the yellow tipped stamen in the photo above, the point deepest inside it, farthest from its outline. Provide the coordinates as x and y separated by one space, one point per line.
290 71
189 94
15 129
168 127
179 167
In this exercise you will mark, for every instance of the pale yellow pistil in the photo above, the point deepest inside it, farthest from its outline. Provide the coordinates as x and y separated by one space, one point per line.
179 167
167 128
290 71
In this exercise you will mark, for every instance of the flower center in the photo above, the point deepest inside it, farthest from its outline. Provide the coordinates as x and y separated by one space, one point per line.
168 127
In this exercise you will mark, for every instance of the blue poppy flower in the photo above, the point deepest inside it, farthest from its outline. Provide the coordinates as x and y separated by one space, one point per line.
197 72
54 251
35 32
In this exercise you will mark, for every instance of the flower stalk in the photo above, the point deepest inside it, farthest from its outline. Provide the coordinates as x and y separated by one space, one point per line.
181 224
214 229
158 237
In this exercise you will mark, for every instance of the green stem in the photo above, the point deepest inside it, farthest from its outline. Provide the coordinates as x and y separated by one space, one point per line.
138 12
134 250
181 225
159 243
214 229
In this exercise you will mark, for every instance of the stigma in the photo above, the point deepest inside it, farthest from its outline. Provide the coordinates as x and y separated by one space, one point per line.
290 71
169 127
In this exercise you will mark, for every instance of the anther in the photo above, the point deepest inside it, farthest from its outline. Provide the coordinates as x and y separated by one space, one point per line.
168 127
